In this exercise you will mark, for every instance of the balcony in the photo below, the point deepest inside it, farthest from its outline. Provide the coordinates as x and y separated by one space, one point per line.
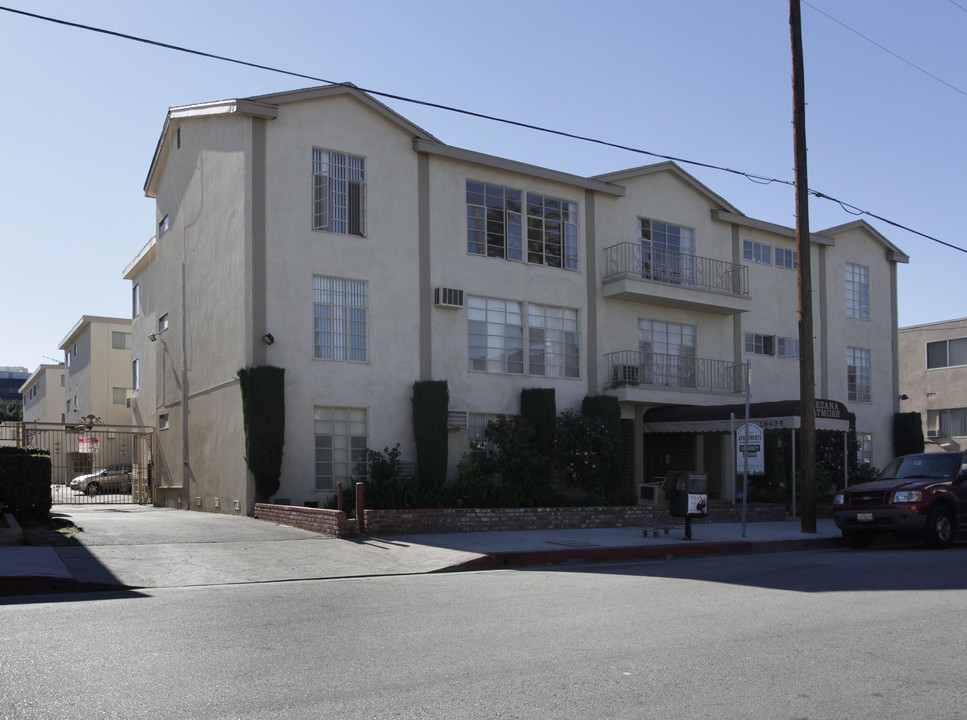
648 370
673 279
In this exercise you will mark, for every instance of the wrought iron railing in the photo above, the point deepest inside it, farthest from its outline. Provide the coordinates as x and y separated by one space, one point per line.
634 367
635 260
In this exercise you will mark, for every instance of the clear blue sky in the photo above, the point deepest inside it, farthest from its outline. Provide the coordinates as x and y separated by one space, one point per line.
705 80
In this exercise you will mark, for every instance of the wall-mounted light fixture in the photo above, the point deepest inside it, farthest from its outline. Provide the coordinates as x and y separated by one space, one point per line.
152 337
268 338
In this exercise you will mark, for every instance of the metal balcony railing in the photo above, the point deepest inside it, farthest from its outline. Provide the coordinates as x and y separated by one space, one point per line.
637 261
634 367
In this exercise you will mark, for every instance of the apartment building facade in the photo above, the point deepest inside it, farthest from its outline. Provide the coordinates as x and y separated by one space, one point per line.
933 380
44 393
321 232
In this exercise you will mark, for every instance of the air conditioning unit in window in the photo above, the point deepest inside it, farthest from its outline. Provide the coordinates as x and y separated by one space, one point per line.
447 297
625 374
933 433
457 419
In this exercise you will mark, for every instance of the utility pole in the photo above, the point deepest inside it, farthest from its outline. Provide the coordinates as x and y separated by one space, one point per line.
807 370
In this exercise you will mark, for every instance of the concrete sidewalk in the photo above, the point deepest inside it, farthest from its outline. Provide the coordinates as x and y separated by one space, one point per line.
131 547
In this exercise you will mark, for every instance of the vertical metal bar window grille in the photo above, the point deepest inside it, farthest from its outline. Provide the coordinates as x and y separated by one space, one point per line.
338 192
341 442
857 291
339 315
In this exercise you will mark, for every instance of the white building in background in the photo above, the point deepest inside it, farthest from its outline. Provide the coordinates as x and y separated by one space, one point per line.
44 393
321 232
933 380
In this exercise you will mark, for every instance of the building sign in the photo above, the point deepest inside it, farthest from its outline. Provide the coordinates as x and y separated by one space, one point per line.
830 409
86 444
750 440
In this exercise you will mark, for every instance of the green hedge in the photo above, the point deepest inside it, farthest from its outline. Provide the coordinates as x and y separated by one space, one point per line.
907 433
25 483
263 410
539 408
431 399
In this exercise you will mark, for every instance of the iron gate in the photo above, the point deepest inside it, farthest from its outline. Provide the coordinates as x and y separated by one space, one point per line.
92 463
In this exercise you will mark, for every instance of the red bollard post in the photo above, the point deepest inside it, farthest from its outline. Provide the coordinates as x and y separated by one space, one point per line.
339 497
360 493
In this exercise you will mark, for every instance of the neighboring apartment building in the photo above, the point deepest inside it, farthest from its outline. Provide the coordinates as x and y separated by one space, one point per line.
321 232
11 378
44 393
933 380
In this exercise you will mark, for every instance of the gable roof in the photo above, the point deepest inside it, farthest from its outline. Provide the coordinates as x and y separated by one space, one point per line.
267 106
892 251
670 167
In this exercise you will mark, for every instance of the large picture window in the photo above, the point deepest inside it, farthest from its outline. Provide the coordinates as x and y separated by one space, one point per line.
341 442
338 192
497 329
667 251
339 314
947 353
495 225
667 352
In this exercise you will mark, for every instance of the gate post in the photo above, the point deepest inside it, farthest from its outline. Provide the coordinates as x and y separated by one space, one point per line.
360 497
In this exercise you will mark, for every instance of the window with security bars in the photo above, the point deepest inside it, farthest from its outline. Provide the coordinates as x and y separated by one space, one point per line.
339 315
857 291
864 449
496 217
859 382
341 441
338 192
480 446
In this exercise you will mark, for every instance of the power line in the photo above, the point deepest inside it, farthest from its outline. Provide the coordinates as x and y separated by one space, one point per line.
852 209
886 49
957 5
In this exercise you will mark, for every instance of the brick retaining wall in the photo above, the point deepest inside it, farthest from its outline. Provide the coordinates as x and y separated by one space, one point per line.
450 520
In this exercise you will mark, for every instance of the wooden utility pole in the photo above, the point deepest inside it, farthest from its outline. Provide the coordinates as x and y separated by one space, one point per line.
807 370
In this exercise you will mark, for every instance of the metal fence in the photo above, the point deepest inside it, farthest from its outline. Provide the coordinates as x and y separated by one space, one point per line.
91 463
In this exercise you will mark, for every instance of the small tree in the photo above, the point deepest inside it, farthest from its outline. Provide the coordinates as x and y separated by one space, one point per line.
430 401
584 452
263 412
522 468
12 411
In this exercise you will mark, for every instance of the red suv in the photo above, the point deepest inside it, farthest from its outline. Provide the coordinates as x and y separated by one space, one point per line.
924 494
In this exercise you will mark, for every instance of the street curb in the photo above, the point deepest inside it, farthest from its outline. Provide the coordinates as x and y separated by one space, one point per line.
535 558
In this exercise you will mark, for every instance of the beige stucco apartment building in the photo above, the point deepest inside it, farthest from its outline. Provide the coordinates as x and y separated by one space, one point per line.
321 232
933 380
43 395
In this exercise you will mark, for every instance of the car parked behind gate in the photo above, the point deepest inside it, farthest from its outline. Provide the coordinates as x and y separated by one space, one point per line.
925 494
113 478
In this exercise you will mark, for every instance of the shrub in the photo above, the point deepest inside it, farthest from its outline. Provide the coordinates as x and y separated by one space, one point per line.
263 412
522 468
25 483
907 433
386 487
584 451
538 407
430 401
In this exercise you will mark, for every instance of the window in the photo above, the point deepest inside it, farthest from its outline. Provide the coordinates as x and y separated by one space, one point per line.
667 251
119 395
477 423
787 258
339 310
496 335
136 375
864 450
495 216
950 422
787 347
163 323
68 358
760 344
121 340
163 421
338 192
757 252
858 378
135 300
667 352
553 341
494 221
947 353
163 226
857 291
68 406
341 442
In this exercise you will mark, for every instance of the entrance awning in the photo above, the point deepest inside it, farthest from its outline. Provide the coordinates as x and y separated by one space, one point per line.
779 415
